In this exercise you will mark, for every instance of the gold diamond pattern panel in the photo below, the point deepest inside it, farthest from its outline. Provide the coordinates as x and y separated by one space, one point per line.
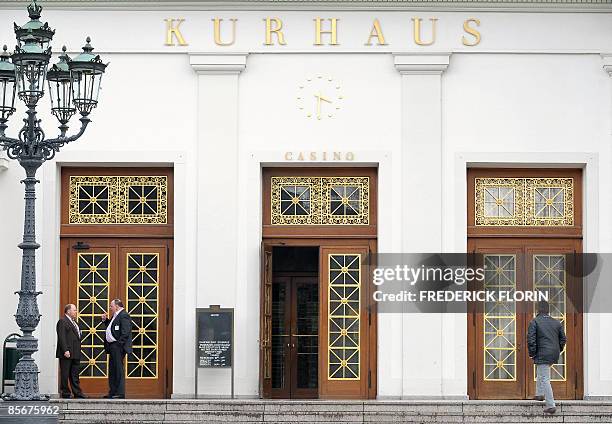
92 200
524 202
93 272
320 200
500 361
143 200
549 276
118 200
550 201
346 200
142 296
344 301
499 201
295 201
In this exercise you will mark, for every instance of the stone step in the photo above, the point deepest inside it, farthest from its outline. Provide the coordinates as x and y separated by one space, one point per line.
332 412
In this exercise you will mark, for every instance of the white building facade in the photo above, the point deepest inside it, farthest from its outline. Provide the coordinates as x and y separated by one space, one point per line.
219 93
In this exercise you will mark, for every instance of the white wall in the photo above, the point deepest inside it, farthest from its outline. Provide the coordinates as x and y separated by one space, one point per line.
532 93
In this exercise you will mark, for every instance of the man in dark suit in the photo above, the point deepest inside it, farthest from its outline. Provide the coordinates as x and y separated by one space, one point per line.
117 343
69 352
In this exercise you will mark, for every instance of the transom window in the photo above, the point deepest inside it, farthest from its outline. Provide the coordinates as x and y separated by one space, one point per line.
295 200
524 201
118 200
320 201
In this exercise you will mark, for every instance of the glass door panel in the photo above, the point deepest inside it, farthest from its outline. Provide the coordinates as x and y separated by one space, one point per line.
496 329
305 337
550 269
281 337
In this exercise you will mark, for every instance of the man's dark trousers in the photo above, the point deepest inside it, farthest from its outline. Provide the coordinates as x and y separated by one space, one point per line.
116 373
69 370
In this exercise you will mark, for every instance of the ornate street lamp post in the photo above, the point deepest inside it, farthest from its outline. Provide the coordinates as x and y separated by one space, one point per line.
74 84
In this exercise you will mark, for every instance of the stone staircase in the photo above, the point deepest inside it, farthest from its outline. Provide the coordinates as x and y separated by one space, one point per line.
323 412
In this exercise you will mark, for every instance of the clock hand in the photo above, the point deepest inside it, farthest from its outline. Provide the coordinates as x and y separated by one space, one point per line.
320 98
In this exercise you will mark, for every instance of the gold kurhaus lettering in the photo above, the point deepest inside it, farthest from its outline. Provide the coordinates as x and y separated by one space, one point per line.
278 25
416 22
472 31
376 31
333 31
217 30
324 27
173 31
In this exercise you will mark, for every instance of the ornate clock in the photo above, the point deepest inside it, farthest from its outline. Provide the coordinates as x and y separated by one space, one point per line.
319 97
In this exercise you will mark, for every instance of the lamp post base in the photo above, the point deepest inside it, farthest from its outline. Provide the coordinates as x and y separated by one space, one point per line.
8 397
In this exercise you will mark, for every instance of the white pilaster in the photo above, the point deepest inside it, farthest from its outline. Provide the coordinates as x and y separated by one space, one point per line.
217 191
607 67
422 362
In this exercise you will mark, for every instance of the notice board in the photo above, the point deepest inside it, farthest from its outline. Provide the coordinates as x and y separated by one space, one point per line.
215 337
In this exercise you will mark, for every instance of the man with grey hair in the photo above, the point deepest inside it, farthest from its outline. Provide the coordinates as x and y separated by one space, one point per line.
545 340
69 352
117 343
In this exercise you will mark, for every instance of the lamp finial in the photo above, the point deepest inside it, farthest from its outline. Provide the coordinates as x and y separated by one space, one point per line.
34 10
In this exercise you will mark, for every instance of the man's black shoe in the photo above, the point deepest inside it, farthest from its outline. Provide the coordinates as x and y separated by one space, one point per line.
118 397
66 397
109 396
81 396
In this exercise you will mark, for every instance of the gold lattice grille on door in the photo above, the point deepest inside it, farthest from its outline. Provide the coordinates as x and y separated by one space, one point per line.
92 200
500 361
344 294
93 272
346 200
143 200
118 200
524 202
320 201
143 306
549 277
296 200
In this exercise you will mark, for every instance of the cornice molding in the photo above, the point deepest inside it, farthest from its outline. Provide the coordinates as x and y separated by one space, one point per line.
218 64
434 63
451 5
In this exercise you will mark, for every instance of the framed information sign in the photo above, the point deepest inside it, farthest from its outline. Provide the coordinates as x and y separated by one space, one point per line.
215 339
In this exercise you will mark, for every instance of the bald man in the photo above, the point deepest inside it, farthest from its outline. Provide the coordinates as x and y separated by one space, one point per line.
69 353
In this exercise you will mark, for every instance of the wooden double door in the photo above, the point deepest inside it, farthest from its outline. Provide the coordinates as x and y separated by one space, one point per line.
318 331
295 336
97 270
499 363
